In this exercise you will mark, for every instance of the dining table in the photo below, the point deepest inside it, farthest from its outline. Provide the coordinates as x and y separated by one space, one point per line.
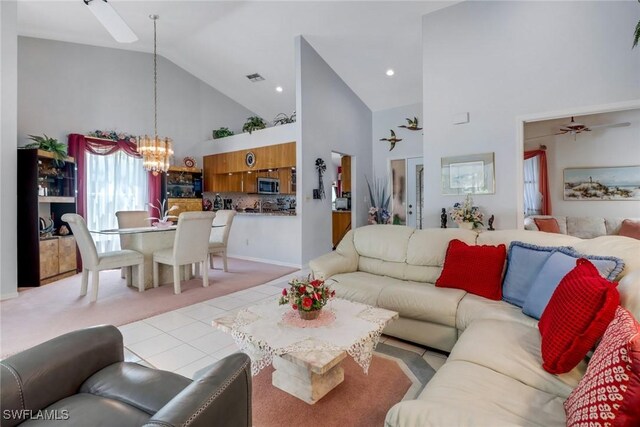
148 240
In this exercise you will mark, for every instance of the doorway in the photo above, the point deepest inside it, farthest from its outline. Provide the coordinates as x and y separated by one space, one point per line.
415 191
341 196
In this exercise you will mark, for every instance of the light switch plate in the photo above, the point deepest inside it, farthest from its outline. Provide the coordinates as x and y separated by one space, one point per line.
460 118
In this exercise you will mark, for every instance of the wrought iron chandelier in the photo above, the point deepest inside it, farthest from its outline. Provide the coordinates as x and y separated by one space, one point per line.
156 152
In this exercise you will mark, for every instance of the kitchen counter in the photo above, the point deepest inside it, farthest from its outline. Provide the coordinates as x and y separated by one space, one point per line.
341 210
275 213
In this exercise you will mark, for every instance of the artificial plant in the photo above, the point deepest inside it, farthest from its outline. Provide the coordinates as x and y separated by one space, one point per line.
254 123
52 145
223 132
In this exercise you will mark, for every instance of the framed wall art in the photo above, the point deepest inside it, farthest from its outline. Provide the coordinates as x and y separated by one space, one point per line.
602 183
469 174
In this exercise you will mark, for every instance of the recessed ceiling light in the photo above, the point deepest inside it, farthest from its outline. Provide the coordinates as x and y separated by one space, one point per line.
390 72
279 89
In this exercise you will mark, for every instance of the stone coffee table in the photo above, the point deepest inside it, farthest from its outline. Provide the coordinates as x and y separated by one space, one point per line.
307 355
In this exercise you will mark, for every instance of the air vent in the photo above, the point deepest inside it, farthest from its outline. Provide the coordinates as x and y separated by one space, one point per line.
255 77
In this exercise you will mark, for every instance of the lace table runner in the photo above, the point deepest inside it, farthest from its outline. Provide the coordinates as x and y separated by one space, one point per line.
261 332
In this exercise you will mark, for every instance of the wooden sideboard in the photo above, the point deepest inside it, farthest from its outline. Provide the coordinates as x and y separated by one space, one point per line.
57 258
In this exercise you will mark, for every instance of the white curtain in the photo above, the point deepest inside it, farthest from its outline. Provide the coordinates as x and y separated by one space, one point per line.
532 196
116 182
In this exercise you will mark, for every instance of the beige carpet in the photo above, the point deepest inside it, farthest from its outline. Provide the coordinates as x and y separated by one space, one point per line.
39 314
360 401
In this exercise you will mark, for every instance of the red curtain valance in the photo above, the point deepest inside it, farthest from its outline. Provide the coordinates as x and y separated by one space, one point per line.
543 187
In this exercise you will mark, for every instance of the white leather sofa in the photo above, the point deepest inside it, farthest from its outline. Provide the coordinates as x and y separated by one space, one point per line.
493 375
585 227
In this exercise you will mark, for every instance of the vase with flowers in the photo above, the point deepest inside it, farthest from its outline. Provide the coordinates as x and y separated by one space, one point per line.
163 220
466 215
307 296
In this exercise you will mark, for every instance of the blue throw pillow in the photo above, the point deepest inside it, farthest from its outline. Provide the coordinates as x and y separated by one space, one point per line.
524 263
553 271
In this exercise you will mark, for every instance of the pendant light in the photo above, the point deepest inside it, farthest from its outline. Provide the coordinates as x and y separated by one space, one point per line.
156 152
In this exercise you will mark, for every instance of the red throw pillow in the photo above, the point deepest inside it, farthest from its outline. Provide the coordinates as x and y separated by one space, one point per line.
476 269
548 225
609 393
577 315
630 228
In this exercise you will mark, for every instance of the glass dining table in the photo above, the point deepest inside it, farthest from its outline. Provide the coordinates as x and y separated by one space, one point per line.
147 240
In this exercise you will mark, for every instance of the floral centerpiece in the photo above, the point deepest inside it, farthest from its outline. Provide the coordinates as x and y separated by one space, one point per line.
307 296
164 215
466 215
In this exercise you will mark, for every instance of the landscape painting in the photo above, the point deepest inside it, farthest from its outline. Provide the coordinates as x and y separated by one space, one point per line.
606 183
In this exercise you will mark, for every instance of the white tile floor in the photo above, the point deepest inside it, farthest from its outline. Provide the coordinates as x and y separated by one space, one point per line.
183 340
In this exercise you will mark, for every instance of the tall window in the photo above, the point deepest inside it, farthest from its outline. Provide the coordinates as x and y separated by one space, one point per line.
116 182
532 195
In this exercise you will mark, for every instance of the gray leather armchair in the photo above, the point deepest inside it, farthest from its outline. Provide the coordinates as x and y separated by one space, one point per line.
81 379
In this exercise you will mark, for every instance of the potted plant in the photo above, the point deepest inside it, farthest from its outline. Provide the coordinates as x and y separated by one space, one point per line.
223 132
164 215
379 200
307 296
254 123
283 119
52 145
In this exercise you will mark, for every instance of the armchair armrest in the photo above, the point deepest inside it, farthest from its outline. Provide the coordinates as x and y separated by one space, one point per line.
220 396
343 260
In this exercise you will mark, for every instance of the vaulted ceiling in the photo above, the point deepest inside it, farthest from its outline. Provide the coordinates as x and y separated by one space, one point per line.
221 42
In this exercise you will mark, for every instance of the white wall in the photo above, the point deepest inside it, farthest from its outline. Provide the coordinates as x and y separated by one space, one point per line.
332 118
411 144
501 60
600 147
72 88
8 154
274 239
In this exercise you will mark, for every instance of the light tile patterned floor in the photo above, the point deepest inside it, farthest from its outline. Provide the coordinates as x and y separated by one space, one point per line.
183 340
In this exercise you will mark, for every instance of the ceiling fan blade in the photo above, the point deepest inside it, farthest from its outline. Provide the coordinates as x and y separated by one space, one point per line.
611 125
111 21
544 136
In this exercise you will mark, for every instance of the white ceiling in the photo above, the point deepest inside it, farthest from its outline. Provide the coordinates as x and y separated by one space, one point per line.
221 42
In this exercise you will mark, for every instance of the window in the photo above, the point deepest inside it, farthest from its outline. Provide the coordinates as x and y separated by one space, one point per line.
532 195
116 182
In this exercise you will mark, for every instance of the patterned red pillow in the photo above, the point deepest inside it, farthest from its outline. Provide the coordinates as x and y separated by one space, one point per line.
476 269
609 393
577 315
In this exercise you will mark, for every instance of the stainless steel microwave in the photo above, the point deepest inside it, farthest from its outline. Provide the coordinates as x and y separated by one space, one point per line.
268 186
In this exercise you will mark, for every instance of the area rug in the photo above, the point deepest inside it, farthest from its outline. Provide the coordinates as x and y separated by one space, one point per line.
361 400
39 314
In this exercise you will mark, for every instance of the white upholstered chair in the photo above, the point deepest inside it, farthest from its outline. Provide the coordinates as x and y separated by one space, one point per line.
96 262
189 247
131 219
220 236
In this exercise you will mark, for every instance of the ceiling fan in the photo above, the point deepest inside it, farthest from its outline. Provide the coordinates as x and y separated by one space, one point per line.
574 128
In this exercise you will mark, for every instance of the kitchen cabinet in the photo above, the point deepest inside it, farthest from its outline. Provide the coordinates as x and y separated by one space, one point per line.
57 258
287 177
346 173
249 182
46 188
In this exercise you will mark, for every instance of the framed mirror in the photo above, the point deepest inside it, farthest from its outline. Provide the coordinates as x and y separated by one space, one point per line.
469 174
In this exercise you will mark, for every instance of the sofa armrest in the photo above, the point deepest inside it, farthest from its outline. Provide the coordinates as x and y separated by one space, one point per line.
220 396
56 368
343 260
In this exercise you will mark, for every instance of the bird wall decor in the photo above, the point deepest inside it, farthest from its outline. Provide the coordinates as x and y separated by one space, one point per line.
392 140
411 124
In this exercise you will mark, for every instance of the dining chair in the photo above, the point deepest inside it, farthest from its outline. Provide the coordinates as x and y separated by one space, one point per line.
96 262
189 247
131 219
220 236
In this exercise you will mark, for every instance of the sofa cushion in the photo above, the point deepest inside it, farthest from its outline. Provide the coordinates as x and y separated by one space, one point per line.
360 286
421 301
429 247
383 242
88 410
513 349
473 307
466 394
625 248
476 269
555 268
613 375
548 225
630 228
533 237
586 227
524 263
530 224
577 315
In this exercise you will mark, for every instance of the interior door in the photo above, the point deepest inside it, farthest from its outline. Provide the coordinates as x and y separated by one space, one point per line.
415 191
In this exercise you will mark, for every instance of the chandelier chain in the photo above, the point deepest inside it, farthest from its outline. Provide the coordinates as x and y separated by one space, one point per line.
155 80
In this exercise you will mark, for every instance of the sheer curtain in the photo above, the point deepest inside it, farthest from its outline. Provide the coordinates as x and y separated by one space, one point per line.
532 196
114 182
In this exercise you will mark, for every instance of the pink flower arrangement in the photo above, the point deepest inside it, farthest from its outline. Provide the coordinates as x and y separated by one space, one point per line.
306 294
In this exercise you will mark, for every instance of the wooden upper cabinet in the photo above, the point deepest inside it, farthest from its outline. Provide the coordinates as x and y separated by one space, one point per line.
346 173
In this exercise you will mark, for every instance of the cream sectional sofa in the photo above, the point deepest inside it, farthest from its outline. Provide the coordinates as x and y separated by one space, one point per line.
585 227
493 375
